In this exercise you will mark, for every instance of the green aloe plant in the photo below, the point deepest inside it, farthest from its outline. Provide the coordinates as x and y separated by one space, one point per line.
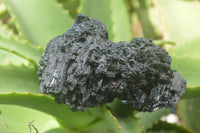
28 25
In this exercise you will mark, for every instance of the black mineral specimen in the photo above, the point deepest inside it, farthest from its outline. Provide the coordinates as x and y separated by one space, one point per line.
82 68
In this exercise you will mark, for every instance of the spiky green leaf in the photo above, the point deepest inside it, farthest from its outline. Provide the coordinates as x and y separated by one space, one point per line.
148 119
71 6
189 69
48 105
178 20
113 14
165 127
106 115
125 116
25 120
19 78
189 112
21 48
39 21
149 24
8 57
186 60
5 32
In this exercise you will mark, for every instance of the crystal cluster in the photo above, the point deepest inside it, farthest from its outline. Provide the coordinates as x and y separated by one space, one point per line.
82 68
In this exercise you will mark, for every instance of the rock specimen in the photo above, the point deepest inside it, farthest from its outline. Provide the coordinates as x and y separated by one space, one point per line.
82 68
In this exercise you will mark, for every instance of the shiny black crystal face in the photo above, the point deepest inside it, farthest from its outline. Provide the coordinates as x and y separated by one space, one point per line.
82 68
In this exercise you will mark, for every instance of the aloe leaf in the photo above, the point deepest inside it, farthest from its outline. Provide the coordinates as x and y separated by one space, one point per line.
125 116
16 50
5 32
43 24
178 20
8 57
188 49
99 126
71 6
162 42
91 9
145 15
3 11
19 78
22 49
168 127
129 124
136 25
7 25
122 119
106 115
149 25
189 69
185 59
27 119
148 119
12 25
121 25
189 112
191 92
62 130
48 105
112 13
138 4
163 131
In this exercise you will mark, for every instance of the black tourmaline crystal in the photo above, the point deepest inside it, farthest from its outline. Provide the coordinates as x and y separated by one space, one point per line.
82 68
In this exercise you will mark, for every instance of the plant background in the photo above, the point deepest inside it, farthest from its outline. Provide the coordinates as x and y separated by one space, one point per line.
26 26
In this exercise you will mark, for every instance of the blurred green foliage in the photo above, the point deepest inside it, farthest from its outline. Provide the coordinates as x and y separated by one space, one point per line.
26 26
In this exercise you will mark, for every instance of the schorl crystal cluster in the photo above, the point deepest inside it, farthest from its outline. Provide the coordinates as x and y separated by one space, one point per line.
82 68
